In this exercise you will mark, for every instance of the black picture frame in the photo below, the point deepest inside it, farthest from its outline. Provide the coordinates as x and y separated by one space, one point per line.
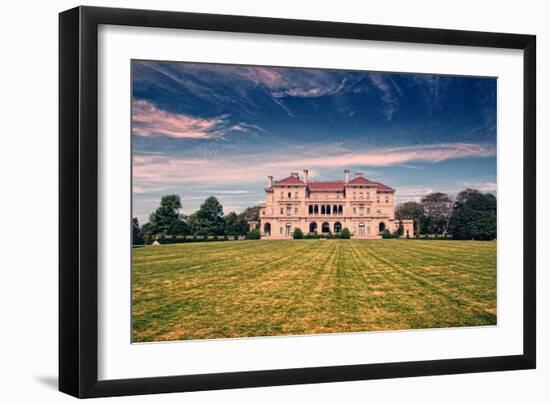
78 201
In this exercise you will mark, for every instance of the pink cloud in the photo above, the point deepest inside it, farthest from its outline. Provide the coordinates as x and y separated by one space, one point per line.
148 120
157 171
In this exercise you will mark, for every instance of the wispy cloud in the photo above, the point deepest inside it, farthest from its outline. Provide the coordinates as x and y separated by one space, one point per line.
489 186
387 87
149 120
166 171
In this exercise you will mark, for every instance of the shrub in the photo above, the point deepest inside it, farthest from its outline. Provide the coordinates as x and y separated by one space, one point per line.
297 234
386 234
254 234
345 233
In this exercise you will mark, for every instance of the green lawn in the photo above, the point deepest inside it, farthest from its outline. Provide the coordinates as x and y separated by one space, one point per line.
254 288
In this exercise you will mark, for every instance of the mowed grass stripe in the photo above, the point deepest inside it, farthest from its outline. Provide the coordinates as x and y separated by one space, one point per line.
257 288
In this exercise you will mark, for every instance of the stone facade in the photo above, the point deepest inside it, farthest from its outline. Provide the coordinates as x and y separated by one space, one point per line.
363 206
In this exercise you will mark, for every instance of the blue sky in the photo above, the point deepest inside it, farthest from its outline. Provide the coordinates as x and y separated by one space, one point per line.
212 129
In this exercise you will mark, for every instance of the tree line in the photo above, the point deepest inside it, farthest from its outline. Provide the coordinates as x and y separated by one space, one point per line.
472 215
208 220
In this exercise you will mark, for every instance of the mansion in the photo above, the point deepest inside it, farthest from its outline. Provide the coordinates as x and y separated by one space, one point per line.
363 206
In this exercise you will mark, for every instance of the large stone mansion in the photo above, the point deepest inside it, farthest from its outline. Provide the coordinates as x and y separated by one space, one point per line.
365 207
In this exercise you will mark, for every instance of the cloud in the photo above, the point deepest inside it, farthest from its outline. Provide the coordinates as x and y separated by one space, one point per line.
153 171
149 120
388 88
490 186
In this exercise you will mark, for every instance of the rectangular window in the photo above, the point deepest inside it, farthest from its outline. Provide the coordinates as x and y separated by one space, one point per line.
354 195
387 199
296 195
295 211
282 211
354 211
282 195
360 195
368 211
361 210
288 210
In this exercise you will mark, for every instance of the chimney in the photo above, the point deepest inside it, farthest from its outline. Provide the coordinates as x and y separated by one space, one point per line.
305 175
358 175
294 175
346 175
269 181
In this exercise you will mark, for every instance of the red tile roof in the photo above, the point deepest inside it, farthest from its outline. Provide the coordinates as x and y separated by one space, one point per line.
326 186
337 185
383 188
362 181
291 180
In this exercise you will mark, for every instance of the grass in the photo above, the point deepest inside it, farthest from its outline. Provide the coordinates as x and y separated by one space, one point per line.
259 288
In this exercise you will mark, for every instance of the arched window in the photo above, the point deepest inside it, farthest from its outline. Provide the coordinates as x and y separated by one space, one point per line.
267 229
335 210
340 210
313 227
381 227
323 209
287 229
316 209
361 229
337 227
310 209
327 209
325 228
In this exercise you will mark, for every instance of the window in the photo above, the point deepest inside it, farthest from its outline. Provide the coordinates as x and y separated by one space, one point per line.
361 210
354 195
295 211
387 199
282 211
360 195
368 210
290 194
281 230
282 195
354 210
296 195
361 229
288 210
288 229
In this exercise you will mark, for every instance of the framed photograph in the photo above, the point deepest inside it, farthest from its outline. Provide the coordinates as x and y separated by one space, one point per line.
251 201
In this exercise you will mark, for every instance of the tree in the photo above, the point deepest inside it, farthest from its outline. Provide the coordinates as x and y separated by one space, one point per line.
474 216
208 220
345 233
235 225
438 208
166 216
254 234
410 211
251 214
137 235
297 234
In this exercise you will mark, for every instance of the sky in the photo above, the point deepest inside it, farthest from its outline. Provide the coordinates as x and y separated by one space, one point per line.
212 129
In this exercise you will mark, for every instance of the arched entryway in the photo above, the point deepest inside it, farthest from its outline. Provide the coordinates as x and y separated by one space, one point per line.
381 227
337 227
267 229
325 228
313 227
